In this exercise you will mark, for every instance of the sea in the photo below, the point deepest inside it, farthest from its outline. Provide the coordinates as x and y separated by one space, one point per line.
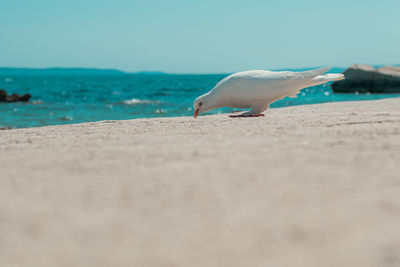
65 99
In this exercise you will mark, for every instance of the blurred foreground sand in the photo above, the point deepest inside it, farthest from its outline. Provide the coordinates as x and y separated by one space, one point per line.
314 185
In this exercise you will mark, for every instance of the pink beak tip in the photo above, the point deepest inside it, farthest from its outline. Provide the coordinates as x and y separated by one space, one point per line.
196 113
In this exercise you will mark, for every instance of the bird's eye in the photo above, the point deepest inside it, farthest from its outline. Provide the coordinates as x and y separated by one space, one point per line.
201 103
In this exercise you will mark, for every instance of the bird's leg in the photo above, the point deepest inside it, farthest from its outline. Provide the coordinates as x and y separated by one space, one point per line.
255 111
247 116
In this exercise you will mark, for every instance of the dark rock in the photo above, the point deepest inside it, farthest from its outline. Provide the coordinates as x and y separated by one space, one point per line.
5 128
4 97
367 79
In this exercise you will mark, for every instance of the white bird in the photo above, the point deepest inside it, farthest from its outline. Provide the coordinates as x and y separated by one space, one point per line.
257 89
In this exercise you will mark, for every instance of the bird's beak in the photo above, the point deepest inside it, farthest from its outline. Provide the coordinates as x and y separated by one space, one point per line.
196 113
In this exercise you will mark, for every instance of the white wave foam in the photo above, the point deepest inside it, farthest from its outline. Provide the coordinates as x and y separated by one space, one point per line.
136 101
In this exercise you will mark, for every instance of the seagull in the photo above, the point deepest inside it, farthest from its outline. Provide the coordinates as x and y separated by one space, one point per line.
257 89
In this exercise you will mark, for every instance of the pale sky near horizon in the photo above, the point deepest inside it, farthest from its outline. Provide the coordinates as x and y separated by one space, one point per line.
198 36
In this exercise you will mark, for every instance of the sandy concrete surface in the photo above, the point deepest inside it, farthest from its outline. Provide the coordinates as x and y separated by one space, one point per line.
314 185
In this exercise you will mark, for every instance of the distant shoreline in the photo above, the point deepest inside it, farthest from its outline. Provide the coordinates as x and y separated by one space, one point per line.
70 71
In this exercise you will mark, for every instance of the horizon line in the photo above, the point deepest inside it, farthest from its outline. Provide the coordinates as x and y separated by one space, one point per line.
140 71
124 72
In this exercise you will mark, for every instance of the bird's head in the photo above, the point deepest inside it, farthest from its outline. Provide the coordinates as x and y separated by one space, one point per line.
202 104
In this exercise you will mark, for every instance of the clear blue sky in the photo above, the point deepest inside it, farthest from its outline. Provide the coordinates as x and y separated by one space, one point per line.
198 36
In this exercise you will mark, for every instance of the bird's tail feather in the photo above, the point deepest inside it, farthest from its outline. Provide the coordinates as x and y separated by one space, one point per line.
320 79
330 77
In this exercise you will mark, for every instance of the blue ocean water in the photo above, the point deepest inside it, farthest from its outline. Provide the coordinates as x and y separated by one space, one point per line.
74 99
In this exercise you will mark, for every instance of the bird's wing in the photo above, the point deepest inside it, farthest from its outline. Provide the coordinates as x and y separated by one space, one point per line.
292 78
299 79
290 83
306 79
268 79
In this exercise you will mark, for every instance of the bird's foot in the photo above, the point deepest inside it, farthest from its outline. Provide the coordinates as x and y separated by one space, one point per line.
247 116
